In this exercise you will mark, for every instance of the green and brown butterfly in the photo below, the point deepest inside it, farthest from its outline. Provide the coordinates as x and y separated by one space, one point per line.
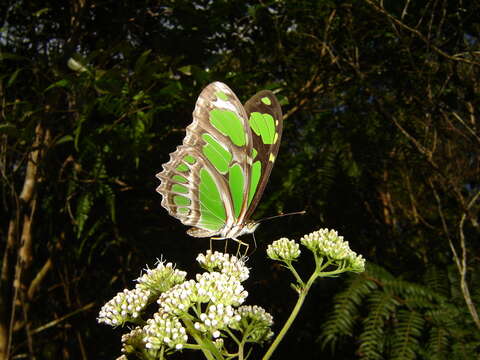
215 179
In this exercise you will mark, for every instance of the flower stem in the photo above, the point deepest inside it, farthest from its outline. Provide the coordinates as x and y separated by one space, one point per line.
301 298
212 352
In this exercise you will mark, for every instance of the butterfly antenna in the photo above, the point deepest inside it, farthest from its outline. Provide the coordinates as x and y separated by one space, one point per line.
282 215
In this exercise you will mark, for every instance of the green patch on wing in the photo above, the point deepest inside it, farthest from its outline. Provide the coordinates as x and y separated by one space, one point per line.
182 168
229 124
263 125
235 182
212 211
181 200
179 178
179 188
216 153
255 178
189 159
266 100
221 95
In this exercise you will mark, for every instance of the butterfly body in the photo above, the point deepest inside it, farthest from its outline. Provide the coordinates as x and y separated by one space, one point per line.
215 179
232 231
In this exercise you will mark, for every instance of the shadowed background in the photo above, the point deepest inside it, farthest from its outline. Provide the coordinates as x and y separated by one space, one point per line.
381 142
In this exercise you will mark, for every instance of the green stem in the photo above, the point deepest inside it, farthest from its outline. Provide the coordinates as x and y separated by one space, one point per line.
239 343
295 274
291 318
208 349
240 351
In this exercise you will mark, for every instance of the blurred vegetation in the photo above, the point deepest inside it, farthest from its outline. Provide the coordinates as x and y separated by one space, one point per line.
381 142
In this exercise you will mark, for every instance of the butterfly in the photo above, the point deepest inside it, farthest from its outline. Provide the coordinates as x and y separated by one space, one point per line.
215 179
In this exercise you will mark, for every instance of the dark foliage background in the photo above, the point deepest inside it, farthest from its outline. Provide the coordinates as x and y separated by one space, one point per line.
381 142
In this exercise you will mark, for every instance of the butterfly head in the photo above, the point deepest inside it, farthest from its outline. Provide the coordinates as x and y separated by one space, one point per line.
251 226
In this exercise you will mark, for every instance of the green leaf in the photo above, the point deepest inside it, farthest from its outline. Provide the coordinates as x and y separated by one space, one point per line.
141 60
64 83
76 65
187 70
41 12
13 77
64 139
139 96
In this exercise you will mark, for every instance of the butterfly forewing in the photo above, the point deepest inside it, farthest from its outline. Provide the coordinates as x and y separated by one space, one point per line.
266 123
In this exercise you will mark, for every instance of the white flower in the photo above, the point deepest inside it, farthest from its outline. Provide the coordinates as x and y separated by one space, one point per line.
283 250
164 330
161 278
224 263
328 243
216 318
125 306
256 321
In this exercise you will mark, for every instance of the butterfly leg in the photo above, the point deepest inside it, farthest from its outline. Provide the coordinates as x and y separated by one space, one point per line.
218 238
240 244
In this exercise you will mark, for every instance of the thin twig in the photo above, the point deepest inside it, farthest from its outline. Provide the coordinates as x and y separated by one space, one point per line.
463 270
419 35
59 320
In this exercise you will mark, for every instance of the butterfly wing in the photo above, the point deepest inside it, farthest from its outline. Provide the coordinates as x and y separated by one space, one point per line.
205 181
266 123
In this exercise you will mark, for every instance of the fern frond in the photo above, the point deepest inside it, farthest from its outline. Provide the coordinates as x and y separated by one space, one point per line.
414 295
438 343
84 205
381 307
404 320
437 280
346 310
377 272
405 340
106 191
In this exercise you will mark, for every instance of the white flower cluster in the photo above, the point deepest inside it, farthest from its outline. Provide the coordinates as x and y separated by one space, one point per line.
256 321
224 263
125 306
217 317
210 301
162 278
283 250
328 243
221 289
164 330
214 287
179 298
